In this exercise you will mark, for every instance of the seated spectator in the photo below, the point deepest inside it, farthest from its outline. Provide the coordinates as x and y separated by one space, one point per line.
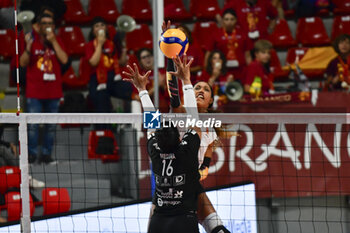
9 157
194 51
278 4
43 55
105 80
232 41
337 72
258 80
146 63
216 74
256 17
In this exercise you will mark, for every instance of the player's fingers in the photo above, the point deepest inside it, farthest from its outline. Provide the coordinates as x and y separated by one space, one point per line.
130 69
190 62
178 60
185 58
128 80
163 26
136 68
147 74
173 73
168 25
127 74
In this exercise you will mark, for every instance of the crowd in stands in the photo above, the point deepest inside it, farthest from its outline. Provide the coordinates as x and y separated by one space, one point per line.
227 45
237 42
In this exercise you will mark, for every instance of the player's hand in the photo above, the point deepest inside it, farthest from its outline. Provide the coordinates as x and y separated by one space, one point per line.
134 77
183 68
204 173
166 26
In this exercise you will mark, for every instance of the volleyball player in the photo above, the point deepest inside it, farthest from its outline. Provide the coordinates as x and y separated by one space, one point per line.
202 100
174 163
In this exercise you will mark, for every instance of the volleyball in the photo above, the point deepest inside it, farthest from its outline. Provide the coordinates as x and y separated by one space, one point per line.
173 42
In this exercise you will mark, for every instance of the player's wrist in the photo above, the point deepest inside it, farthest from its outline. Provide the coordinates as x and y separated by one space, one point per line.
142 92
206 163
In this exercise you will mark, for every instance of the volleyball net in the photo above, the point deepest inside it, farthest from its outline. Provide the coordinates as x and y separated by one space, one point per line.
100 176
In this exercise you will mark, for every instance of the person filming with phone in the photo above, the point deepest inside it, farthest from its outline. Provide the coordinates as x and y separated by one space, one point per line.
43 55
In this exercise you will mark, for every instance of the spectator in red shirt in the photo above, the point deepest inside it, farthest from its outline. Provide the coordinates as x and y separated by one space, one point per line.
146 63
216 74
258 80
256 17
337 72
42 54
105 80
231 40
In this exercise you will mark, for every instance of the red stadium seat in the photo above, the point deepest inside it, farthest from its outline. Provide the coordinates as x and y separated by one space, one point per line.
7 41
204 10
75 13
141 37
281 37
55 200
10 177
73 40
341 25
202 31
311 32
140 10
14 206
102 145
276 68
174 10
6 3
342 7
107 10
293 53
71 80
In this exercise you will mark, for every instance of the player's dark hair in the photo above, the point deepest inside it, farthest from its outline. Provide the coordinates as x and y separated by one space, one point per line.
187 32
338 40
168 138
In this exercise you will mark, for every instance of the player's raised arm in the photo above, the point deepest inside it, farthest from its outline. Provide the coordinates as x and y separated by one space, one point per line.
140 83
183 72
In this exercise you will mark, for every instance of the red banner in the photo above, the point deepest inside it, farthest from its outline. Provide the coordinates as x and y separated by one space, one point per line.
282 160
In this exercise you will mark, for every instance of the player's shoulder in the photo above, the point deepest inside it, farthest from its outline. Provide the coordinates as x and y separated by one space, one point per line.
190 134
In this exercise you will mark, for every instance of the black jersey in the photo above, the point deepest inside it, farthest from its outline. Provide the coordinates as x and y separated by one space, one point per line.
176 175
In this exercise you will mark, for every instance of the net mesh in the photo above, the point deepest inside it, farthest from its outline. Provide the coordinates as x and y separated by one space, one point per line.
298 163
